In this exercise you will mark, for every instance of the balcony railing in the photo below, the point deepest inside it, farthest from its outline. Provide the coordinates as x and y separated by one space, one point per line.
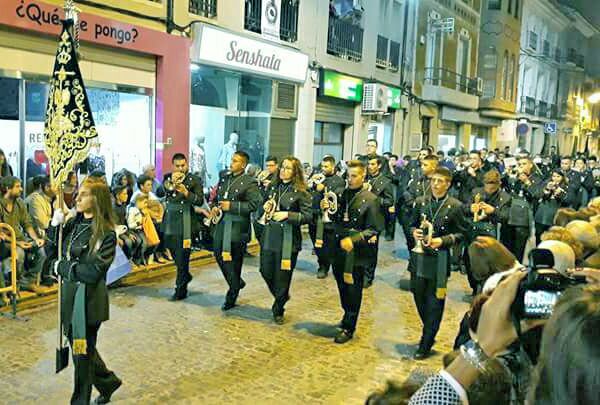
381 61
345 39
542 109
533 39
204 8
288 28
528 105
447 78
557 55
553 111
579 61
571 55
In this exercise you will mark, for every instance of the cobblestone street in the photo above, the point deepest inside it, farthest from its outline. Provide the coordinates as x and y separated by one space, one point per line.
191 352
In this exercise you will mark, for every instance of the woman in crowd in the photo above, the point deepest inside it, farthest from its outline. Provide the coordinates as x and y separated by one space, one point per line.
282 239
554 197
5 169
128 240
88 249
70 190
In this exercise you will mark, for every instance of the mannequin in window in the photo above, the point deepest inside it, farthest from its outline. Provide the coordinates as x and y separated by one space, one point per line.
227 152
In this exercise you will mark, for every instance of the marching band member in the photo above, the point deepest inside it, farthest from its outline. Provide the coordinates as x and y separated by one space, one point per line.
382 187
183 192
237 198
287 207
322 231
556 194
431 268
357 220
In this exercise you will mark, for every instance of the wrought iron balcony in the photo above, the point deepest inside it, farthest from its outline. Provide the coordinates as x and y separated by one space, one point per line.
557 55
533 40
452 80
553 111
288 28
546 48
204 8
345 39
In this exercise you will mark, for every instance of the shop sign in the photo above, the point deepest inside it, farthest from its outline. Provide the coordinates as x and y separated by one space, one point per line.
43 16
218 47
394 96
270 19
341 86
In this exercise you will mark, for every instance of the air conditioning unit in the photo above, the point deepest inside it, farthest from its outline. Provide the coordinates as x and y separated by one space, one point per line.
375 98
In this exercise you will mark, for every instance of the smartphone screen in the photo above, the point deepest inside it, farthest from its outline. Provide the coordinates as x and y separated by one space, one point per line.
539 304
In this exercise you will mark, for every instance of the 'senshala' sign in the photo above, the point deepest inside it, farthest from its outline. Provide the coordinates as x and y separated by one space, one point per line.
217 47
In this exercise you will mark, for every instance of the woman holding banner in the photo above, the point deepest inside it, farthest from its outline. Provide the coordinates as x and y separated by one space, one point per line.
88 249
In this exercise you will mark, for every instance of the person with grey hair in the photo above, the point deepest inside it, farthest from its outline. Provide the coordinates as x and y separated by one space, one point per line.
157 188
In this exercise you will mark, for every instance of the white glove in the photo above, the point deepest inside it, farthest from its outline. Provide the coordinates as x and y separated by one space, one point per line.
58 218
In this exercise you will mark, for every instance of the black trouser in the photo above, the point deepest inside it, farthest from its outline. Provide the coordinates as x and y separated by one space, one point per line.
182 260
373 253
326 253
539 230
277 280
232 271
350 294
431 309
515 239
390 226
91 370
473 283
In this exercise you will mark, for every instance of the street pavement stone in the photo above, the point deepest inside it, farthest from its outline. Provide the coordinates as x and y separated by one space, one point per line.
190 352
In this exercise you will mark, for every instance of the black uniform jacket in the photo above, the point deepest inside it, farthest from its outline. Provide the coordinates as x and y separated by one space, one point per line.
365 220
449 224
86 267
551 201
177 203
298 204
464 184
383 188
488 224
524 199
243 192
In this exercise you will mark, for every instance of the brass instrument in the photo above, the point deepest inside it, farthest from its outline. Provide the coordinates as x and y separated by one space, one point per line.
367 186
479 214
262 176
270 207
427 228
315 180
176 179
332 202
214 219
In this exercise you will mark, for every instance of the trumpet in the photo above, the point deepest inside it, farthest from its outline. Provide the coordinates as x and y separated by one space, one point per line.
176 179
269 208
480 213
214 219
427 228
315 180
262 176
332 208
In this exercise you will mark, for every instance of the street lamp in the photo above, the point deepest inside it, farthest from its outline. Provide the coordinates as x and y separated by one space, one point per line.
594 98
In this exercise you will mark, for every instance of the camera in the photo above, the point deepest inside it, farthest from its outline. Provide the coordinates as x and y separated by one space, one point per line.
541 289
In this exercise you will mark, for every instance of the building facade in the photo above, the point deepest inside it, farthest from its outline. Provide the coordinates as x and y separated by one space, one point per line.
136 83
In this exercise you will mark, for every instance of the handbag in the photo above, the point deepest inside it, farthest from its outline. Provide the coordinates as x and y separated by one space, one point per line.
150 231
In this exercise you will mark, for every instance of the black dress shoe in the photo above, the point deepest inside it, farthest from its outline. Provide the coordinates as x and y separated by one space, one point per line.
178 296
227 306
322 273
105 398
367 283
422 353
343 336
279 320
242 284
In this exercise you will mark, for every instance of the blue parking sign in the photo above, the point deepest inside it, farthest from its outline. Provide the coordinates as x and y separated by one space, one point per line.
550 127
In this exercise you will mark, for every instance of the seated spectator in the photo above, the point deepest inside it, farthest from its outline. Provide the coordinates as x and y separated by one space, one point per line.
157 188
586 234
144 184
39 204
135 219
128 240
70 190
30 256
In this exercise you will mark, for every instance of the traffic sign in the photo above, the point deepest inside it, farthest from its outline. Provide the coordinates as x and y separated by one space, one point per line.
550 127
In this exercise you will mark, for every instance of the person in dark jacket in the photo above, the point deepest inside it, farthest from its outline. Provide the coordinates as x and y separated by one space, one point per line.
556 194
287 207
88 250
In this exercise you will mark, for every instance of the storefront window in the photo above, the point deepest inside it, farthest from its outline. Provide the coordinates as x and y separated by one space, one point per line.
9 122
329 140
229 111
446 142
123 121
